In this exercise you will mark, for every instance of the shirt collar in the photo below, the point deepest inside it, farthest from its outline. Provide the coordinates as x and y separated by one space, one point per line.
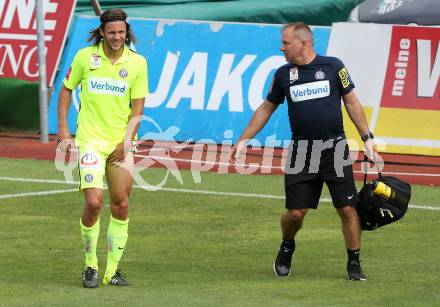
123 58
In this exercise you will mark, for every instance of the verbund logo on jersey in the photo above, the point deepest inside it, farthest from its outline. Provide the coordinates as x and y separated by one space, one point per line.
310 90
107 86
413 69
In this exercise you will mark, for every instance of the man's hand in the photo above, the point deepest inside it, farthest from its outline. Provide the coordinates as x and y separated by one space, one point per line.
371 151
64 141
118 155
237 151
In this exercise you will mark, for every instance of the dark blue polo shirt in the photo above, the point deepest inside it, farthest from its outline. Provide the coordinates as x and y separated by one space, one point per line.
313 93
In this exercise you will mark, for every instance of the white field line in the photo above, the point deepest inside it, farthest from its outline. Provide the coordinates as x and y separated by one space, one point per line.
194 191
39 193
17 179
424 207
219 193
266 167
400 174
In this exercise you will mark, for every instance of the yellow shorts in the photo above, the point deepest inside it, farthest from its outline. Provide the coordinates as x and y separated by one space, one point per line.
91 165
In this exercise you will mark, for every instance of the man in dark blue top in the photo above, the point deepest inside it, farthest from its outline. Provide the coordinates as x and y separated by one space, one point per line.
313 86
313 92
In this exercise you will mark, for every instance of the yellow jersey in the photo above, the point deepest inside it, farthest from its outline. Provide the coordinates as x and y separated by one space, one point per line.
106 91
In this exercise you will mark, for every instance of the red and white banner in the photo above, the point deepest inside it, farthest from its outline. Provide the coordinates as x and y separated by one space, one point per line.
18 37
396 70
413 71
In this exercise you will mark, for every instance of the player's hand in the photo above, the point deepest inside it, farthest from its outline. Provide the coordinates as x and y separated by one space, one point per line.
371 151
119 153
237 151
64 141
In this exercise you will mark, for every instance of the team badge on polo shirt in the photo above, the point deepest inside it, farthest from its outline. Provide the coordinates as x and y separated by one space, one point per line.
95 61
319 75
123 73
293 74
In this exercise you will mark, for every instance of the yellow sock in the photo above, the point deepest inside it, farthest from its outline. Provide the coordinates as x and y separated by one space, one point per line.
89 237
117 235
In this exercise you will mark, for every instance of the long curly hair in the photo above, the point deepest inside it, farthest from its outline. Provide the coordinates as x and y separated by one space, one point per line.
110 15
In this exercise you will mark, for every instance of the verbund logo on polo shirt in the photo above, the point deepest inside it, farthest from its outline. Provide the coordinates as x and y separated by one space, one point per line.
310 90
107 86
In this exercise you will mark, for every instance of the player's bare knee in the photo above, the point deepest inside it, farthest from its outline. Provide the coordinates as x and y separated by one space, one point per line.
120 209
94 204
121 204
294 215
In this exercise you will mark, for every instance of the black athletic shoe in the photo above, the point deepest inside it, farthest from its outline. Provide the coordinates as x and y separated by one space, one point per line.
354 271
117 280
90 277
283 262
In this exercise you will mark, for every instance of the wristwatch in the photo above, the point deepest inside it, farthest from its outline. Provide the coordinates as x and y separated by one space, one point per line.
368 136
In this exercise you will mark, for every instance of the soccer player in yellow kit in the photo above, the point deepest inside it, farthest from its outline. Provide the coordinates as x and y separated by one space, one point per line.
114 85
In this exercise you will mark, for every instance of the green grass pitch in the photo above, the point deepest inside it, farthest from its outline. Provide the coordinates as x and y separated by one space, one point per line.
193 249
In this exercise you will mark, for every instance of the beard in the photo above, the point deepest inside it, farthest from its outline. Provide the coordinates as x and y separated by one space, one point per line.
114 46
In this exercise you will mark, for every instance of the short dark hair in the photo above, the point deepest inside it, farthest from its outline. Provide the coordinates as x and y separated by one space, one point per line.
110 15
301 28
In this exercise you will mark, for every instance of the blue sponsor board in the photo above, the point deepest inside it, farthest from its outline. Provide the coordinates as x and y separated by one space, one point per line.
205 78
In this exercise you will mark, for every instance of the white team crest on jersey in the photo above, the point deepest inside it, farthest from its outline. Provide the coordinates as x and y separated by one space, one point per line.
95 61
293 74
123 73
319 75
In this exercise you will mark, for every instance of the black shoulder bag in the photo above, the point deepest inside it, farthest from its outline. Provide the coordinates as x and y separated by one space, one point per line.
382 201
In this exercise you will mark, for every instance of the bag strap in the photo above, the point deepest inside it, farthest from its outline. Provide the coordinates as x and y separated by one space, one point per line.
366 168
